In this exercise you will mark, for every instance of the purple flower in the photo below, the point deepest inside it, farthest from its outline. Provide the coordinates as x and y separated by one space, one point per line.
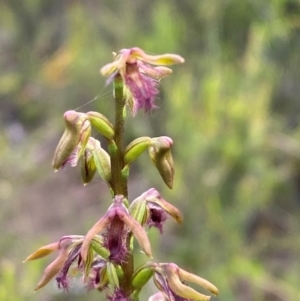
170 280
69 250
62 277
140 77
151 210
116 225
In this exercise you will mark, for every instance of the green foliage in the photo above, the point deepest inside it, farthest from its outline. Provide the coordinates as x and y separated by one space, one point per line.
233 114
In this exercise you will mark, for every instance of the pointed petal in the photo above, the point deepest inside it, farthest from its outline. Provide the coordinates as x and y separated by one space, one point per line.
164 59
98 227
43 251
162 72
88 263
53 268
118 63
138 210
184 275
156 73
185 291
137 230
170 209
135 148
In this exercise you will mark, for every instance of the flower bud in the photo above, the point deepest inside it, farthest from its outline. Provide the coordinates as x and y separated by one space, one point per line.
88 262
87 167
135 149
101 159
160 153
101 124
77 132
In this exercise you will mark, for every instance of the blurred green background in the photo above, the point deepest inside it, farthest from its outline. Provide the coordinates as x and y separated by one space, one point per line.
232 110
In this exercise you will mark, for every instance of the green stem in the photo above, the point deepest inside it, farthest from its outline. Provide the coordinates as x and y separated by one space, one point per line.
118 181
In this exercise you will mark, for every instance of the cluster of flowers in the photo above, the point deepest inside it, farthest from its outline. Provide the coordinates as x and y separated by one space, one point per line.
100 255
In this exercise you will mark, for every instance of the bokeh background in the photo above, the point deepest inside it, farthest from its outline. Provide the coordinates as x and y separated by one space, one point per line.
232 110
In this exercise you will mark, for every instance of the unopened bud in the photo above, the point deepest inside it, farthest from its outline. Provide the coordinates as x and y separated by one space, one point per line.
142 275
87 166
77 132
135 149
186 276
160 153
101 124
101 160
100 250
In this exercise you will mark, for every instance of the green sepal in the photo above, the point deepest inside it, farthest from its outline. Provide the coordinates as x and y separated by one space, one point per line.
135 296
138 210
100 250
101 159
88 262
161 156
112 275
119 271
103 279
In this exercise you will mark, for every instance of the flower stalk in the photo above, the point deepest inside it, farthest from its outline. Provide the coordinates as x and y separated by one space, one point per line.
119 183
